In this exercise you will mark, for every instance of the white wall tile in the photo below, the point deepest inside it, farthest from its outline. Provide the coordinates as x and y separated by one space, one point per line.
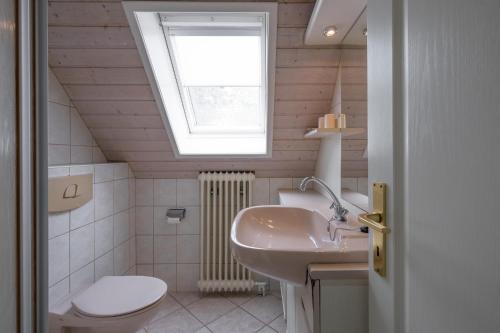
82 278
190 225
296 182
165 192
58 224
276 184
349 183
121 258
165 249
82 215
144 192
144 218
97 155
145 270
56 91
131 271
363 185
58 258
80 134
58 124
120 195
58 292
144 249
103 236
59 154
104 266
81 169
260 194
81 154
81 250
132 251
121 225
188 249
188 192
103 173
131 221
131 192
121 170
103 194
168 273
187 277
58 171
161 227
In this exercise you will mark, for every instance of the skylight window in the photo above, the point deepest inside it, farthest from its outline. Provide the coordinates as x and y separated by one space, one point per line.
212 70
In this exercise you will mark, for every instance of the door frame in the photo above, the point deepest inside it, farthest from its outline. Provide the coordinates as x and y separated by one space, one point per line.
32 165
387 146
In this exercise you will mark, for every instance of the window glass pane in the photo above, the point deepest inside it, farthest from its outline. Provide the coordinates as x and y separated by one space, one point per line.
226 108
218 60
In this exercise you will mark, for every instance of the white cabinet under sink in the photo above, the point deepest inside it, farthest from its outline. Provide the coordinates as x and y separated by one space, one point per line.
331 302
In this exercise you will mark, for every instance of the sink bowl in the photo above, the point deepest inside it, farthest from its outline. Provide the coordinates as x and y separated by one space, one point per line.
280 242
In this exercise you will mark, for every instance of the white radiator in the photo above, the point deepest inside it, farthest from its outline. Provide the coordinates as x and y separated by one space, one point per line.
222 195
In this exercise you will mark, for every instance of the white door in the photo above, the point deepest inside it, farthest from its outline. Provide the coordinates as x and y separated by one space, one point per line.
434 138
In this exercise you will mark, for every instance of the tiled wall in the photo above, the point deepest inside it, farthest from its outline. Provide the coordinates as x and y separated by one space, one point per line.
359 184
70 141
171 252
97 238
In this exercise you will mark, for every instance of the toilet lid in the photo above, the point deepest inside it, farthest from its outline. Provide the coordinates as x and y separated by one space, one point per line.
119 295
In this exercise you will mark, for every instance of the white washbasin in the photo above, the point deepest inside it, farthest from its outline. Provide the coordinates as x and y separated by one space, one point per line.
280 242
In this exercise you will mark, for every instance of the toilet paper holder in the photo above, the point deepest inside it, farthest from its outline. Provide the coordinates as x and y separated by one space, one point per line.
176 213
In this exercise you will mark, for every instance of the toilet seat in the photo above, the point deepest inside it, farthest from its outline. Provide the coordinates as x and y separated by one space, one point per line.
116 296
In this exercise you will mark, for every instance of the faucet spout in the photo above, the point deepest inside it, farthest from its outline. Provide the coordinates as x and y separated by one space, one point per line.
339 211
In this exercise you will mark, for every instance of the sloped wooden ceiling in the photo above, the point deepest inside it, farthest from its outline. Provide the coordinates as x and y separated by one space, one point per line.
94 56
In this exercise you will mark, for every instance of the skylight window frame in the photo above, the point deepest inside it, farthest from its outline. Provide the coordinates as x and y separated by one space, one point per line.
226 28
242 145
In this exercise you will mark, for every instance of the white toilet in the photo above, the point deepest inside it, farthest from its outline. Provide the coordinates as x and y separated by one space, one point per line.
114 304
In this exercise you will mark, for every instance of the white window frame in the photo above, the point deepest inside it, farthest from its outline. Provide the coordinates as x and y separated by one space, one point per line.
150 28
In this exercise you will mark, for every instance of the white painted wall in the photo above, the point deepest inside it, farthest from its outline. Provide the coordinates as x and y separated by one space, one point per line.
453 184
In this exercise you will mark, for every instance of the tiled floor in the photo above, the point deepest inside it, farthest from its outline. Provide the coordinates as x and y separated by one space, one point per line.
242 313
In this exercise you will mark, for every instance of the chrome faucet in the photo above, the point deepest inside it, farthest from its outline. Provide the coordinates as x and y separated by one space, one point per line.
339 211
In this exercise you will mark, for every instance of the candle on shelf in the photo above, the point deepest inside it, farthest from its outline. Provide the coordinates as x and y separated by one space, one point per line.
321 122
330 120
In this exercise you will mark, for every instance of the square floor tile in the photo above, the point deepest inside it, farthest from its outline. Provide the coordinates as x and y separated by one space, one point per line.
179 321
186 298
208 309
168 305
240 298
265 308
236 321
279 324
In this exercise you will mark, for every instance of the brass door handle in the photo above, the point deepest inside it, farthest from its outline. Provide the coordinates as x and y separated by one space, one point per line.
373 221
378 223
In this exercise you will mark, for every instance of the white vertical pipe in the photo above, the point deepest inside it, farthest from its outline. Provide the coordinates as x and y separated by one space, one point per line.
220 222
238 207
202 223
232 217
214 231
244 205
207 227
226 230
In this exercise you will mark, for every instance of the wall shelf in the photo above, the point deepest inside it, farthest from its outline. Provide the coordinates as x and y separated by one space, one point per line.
317 133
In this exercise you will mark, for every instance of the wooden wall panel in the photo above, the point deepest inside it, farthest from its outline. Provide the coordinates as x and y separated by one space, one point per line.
95 58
